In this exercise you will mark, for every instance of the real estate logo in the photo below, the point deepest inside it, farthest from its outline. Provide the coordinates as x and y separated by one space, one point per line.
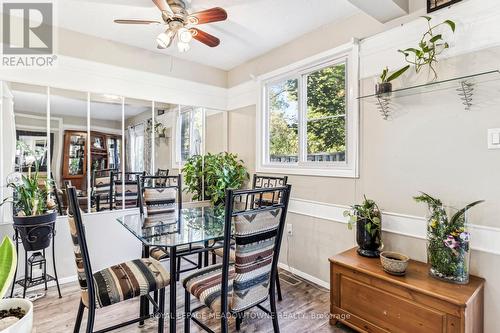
28 34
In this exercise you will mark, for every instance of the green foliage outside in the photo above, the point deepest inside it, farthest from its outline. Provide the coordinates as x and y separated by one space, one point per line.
326 107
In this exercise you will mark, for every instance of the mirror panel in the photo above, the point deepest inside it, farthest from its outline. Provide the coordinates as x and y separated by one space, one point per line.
68 128
165 120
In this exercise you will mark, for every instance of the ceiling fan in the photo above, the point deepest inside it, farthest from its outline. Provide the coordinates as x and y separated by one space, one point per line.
182 25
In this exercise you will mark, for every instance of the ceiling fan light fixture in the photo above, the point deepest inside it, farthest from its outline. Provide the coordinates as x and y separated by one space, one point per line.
183 47
185 35
165 38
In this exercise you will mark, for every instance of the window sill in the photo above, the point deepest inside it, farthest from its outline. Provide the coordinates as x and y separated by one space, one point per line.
304 171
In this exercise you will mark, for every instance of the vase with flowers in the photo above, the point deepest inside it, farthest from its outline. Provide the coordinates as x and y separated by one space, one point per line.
448 240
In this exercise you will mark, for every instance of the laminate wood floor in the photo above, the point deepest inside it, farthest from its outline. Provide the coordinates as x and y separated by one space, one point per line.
304 308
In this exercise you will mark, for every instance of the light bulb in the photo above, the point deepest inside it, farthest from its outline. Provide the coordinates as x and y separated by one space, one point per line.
165 39
184 35
183 47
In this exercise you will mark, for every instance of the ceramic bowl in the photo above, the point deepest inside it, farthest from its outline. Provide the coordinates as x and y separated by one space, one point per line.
394 263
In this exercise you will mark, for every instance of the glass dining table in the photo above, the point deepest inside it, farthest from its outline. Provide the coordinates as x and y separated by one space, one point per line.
184 228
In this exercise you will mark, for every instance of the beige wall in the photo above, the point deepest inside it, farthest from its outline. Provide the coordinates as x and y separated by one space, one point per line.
432 144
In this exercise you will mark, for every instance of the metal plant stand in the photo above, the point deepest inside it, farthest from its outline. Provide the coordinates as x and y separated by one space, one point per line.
29 235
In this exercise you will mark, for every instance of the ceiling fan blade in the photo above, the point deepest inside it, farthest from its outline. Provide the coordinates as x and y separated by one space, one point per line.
163 6
204 37
136 22
207 16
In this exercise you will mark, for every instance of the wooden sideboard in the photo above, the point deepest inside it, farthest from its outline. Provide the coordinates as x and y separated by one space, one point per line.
367 299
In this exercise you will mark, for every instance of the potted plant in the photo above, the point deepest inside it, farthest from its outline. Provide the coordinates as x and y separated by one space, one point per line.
33 206
385 85
448 249
16 314
218 172
368 221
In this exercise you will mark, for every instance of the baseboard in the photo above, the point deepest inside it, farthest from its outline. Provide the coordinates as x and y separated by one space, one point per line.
304 276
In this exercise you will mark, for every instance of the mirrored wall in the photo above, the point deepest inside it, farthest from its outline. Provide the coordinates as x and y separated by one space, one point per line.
100 143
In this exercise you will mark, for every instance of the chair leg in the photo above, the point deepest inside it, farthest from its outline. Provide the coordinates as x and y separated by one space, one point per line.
161 317
178 276
239 320
274 315
214 258
90 321
79 316
278 287
200 260
187 312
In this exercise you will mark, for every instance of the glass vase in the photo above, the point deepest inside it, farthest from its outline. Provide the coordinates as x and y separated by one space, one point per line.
448 248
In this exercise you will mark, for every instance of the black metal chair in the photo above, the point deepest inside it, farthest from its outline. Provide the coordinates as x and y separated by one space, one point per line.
113 285
102 188
231 288
259 182
162 198
127 190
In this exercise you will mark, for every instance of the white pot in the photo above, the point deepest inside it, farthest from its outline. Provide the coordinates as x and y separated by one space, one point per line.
24 325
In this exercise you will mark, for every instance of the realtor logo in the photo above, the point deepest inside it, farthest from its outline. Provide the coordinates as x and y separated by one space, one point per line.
28 34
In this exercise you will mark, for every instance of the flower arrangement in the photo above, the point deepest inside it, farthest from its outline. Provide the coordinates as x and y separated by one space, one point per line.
448 246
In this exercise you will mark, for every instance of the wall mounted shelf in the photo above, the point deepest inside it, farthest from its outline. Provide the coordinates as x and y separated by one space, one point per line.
463 86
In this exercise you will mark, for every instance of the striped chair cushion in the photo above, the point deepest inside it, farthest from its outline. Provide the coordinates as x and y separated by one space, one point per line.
102 185
255 236
119 282
220 251
205 285
128 280
160 253
159 200
130 191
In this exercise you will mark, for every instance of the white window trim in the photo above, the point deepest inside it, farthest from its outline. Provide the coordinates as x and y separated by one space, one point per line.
348 169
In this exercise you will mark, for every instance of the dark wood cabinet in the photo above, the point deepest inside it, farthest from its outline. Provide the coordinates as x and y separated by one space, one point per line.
367 299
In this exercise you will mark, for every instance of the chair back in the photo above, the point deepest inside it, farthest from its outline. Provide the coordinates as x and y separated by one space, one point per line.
258 230
268 182
161 172
161 195
127 190
102 185
80 249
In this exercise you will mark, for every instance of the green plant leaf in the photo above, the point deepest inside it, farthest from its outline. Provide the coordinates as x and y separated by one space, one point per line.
398 73
436 38
428 18
462 211
8 263
451 24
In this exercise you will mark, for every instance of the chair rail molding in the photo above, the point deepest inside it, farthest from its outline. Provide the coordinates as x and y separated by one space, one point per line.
484 238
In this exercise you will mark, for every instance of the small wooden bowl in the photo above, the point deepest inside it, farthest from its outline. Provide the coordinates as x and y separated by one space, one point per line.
394 263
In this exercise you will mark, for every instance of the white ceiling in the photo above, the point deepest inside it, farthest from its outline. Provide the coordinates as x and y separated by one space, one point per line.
254 27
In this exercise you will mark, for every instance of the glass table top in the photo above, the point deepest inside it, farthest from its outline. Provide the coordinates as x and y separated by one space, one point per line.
192 225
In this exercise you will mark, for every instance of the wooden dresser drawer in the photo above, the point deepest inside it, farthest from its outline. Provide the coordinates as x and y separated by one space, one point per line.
369 300
389 312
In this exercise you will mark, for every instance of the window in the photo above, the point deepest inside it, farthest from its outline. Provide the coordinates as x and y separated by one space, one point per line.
189 129
309 120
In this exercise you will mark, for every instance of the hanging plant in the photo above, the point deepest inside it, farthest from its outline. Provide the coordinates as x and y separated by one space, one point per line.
431 45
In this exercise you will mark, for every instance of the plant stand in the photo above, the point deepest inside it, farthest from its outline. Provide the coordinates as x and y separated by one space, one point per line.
25 233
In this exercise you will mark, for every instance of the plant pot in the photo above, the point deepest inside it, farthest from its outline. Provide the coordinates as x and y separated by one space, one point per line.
368 243
25 324
383 88
35 231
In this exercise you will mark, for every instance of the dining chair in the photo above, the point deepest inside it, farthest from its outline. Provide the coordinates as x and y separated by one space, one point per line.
127 190
114 284
231 288
259 181
102 186
161 172
162 198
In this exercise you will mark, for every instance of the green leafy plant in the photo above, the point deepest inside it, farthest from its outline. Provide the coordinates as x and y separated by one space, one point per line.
431 45
368 211
385 77
31 196
8 262
448 239
218 172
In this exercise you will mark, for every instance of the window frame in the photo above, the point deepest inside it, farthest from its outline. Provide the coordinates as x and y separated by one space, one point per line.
348 54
